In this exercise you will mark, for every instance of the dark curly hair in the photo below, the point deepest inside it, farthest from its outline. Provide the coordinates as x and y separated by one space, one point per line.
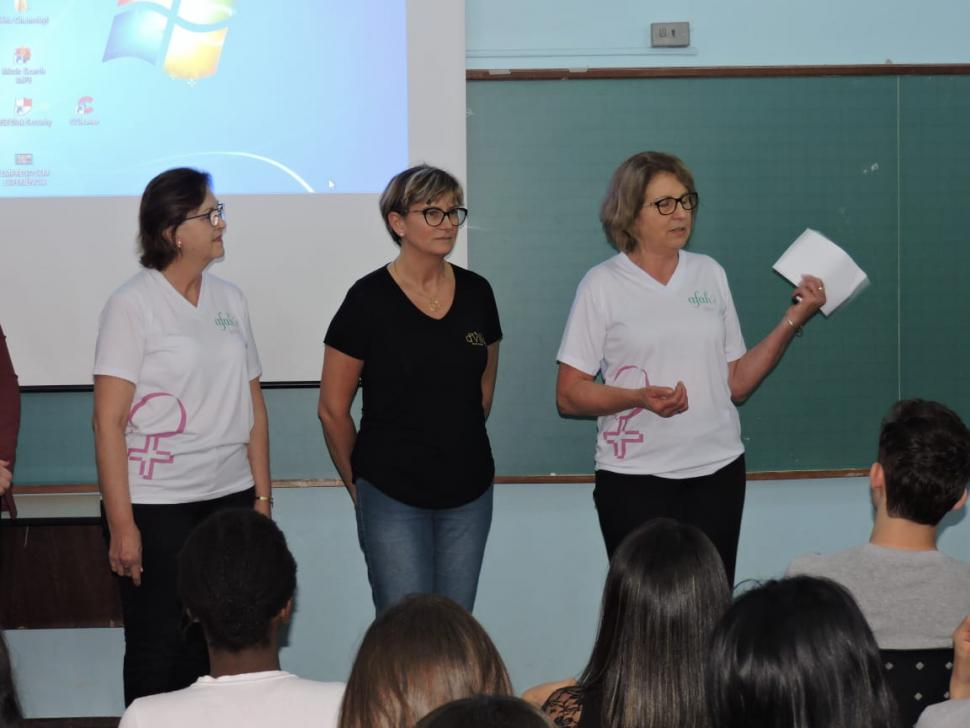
165 203
235 574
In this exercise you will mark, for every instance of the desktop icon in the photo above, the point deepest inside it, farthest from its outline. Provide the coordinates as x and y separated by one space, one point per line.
23 158
22 106
84 105
20 6
21 54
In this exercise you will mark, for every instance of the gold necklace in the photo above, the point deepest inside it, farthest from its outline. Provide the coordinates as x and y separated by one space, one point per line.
433 303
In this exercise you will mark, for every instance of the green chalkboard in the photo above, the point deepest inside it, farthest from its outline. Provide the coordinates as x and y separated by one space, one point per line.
876 163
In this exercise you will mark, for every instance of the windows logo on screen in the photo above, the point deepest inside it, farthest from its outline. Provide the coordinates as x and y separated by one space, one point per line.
186 36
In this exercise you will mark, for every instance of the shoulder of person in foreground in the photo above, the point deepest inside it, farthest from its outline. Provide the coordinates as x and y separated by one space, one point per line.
817 564
948 714
565 706
539 694
296 701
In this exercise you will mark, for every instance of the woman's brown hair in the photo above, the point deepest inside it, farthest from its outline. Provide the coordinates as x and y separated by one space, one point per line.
421 653
624 197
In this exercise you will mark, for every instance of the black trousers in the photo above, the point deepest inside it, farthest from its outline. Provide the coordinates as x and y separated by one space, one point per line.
712 502
164 651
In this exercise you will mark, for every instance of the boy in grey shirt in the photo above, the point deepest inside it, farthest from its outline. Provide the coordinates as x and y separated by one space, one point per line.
912 595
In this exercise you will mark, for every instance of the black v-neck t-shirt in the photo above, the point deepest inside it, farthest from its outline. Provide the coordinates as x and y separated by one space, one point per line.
422 437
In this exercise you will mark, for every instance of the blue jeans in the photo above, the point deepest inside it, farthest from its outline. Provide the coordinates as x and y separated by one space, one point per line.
412 550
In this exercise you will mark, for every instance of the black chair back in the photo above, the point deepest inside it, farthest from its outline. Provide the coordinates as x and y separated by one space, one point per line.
917 678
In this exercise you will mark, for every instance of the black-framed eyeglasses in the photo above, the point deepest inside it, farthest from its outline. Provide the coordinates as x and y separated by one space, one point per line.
434 216
667 205
215 215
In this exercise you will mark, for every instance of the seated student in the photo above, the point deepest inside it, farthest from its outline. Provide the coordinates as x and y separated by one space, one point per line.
664 592
486 711
10 715
420 653
237 578
796 653
955 712
910 593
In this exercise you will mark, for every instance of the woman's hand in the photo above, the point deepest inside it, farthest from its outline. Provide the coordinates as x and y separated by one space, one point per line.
810 297
5 476
664 401
263 506
124 553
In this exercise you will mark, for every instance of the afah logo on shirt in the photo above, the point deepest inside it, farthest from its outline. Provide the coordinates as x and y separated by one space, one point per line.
475 338
699 299
225 321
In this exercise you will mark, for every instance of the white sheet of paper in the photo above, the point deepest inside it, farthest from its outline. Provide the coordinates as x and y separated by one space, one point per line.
814 254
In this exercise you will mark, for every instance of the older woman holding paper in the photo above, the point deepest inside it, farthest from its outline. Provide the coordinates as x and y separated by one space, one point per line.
658 323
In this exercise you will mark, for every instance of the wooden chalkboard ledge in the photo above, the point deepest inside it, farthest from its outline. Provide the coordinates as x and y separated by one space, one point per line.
556 74
88 488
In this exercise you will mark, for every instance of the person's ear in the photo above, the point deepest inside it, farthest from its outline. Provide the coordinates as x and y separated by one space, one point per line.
877 483
286 612
396 221
169 235
960 503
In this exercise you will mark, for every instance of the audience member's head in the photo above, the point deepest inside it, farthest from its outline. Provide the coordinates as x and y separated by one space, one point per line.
237 578
486 711
665 590
924 456
419 654
10 715
796 653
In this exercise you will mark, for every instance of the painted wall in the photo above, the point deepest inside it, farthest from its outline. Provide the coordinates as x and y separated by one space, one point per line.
503 34
538 598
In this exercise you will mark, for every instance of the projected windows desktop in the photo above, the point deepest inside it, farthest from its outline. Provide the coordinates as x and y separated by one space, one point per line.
96 97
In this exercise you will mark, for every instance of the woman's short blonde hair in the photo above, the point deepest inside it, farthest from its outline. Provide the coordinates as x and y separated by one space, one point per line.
421 653
624 197
422 183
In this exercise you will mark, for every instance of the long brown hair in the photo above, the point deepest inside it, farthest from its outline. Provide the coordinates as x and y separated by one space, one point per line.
664 592
423 652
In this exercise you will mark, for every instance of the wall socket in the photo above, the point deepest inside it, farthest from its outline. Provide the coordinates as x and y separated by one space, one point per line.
669 35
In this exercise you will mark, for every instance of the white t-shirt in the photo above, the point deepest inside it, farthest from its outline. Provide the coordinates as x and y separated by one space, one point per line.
273 698
192 411
635 331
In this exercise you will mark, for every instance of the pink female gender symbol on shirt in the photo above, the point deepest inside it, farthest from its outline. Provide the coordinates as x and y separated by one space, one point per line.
151 453
619 437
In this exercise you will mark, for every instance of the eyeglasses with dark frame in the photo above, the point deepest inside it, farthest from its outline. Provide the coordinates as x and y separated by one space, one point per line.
215 215
667 205
434 216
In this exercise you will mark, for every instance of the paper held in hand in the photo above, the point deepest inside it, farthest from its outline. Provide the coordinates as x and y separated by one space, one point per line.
814 254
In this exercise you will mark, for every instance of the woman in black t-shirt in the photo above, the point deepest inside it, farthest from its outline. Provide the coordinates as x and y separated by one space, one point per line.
421 336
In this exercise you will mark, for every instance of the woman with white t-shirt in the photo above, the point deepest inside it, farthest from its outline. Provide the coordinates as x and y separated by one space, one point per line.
658 323
179 420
